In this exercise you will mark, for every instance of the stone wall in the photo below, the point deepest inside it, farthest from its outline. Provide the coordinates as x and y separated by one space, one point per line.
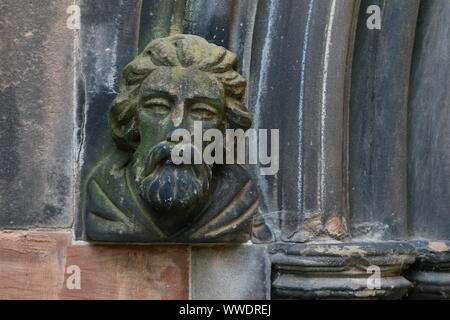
57 82
364 168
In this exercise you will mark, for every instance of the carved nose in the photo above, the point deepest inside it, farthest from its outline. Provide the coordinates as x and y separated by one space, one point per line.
176 139
178 114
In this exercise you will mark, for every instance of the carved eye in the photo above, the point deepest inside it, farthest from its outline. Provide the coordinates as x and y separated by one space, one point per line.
159 106
203 111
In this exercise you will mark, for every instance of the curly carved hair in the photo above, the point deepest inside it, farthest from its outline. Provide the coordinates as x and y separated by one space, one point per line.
178 50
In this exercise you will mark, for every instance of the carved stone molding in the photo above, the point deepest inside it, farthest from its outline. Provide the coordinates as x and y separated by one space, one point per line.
431 271
307 72
340 270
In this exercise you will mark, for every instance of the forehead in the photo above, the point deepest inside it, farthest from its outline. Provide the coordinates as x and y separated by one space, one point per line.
182 82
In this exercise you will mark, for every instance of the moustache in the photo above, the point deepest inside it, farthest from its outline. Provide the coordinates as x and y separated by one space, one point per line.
170 187
161 154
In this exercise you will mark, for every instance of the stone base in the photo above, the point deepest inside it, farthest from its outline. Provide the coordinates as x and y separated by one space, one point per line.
340 271
431 272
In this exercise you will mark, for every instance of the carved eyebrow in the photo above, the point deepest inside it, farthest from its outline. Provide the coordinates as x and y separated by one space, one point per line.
208 107
148 94
204 97
214 102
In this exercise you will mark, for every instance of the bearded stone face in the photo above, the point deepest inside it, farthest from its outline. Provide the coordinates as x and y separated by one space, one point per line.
173 98
180 85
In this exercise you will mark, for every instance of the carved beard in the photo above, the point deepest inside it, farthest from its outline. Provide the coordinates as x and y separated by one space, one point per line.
172 189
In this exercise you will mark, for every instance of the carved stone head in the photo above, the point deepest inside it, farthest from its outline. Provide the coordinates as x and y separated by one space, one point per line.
172 84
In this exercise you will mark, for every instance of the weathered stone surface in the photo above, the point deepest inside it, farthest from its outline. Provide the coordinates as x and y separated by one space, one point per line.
429 118
32 264
378 121
129 272
298 83
37 265
36 121
107 43
431 271
137 193
340 270
229 272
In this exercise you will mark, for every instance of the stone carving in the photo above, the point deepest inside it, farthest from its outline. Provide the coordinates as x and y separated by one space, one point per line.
352 270
136 193
431 271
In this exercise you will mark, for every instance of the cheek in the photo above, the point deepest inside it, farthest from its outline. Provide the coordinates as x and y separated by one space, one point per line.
153 130
149 129
212 124
217 122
